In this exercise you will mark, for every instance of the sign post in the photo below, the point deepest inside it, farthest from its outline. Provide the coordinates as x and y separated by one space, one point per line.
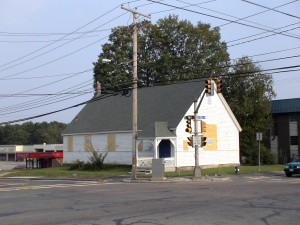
259 139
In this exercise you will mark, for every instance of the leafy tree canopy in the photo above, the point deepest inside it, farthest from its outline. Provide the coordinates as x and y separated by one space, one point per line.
249 93
168 51
32 133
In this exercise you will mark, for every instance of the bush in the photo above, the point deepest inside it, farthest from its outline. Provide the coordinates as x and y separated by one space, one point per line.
96 162
266 157
77 165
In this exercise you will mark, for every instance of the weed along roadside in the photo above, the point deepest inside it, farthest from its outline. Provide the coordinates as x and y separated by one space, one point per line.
123 171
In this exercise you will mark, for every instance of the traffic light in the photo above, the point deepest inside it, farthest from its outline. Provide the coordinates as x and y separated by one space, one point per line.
208 86
219 85
190 141
188 124
203 141
203 126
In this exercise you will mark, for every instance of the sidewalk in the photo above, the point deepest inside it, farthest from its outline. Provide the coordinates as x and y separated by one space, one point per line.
125 179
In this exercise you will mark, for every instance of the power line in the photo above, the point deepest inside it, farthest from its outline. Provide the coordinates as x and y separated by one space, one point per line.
267 53
56 111
287 14
55 49
244 18
254 35
31 53
45 76
15 34
114 93
37 102
259 38
40 102
220 18
46 94
70 76
45 41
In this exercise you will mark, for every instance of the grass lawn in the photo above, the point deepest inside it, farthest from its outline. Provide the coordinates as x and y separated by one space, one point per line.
229 170
115 171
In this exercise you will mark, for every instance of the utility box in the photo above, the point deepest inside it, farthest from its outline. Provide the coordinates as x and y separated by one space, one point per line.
158 169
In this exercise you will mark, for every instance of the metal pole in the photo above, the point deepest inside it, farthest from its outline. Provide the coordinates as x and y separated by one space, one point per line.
134 100
134 93
197 171
259 155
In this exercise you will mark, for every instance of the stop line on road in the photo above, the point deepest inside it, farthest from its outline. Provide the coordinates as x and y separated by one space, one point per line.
19 187
253 179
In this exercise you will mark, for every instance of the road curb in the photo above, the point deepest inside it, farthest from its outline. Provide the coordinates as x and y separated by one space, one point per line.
179 180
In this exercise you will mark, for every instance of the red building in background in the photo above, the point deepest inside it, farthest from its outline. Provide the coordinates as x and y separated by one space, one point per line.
41 159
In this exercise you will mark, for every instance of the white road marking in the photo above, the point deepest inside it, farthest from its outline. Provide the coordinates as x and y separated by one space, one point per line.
36 187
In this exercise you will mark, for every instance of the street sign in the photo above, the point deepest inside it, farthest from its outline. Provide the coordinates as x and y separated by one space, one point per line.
196 140
259 136
200 117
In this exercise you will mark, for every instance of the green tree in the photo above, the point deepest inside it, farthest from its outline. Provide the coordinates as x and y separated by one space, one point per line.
249 93
14 134
32 133
168 51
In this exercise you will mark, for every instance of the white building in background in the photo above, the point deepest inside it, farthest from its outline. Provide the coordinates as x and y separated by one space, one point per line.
8 152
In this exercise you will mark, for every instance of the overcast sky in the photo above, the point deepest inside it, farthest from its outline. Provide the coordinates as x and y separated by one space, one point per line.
47 47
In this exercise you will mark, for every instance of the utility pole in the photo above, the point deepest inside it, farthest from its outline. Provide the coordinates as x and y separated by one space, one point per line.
134 92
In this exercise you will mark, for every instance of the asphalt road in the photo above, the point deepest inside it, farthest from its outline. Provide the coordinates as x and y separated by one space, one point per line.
241 200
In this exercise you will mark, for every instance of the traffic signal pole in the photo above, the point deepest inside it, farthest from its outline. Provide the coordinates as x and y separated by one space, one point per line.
202 138
197 168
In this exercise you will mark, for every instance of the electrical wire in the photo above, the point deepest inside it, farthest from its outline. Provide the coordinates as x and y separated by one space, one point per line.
45 41
229 66
272 9
53 50
254 35
40 100
114 93
56 111
259 38
220 18
244 18
62 79
31 53
14 34
43 102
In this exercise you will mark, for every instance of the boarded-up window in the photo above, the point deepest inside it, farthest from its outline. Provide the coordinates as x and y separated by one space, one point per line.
111 142
70 144
211 134
87 143
185 145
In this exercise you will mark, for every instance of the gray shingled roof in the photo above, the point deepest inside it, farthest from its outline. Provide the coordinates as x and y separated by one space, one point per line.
285 105
166 103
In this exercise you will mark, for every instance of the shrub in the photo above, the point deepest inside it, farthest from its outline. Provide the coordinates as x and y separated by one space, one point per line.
77 165
267 157
96 161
